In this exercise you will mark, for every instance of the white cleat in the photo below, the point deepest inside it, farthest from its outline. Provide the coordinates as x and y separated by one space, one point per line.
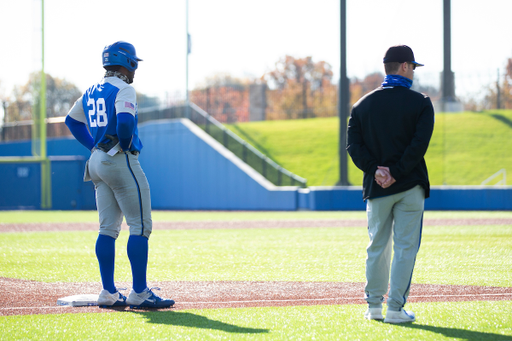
106 299
401 316
374 314
147 299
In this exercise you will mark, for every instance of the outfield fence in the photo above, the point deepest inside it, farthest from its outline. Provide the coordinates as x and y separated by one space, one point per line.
273 172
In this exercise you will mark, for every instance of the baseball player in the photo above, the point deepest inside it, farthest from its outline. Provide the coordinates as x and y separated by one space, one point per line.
104 119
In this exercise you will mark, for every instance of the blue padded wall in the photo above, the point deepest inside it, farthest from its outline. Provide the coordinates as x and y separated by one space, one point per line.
69 191
469 198
55 146
188 169
20 185
441 198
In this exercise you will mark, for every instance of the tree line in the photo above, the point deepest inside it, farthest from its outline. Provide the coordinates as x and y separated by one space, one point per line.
60 97
295 88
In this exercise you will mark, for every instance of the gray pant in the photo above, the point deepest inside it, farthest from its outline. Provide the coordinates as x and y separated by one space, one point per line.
121 190
396 219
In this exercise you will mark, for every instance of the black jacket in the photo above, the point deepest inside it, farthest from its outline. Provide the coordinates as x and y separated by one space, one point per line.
391 127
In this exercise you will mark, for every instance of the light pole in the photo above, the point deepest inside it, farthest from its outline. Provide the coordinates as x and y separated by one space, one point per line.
187 99
46 190
448 99
343 97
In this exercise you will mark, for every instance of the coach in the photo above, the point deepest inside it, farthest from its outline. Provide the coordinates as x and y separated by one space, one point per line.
389 131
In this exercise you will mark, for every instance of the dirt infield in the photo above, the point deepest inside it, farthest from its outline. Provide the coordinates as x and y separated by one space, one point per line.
22 297
245 224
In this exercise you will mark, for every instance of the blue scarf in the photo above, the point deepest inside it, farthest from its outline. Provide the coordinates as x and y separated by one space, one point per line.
397 80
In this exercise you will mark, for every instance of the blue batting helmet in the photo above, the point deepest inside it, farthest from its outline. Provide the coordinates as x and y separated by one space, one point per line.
121 53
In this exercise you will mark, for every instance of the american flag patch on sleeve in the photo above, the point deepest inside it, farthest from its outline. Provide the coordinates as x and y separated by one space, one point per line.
129 105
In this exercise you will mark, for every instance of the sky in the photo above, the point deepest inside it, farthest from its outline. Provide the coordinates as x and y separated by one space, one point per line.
246 38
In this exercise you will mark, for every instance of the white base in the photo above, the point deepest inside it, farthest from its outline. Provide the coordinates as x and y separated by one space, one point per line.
78 300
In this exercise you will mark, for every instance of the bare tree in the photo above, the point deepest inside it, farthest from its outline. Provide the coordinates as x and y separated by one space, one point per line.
60 96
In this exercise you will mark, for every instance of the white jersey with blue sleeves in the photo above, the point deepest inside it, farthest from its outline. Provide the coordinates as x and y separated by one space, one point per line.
99 105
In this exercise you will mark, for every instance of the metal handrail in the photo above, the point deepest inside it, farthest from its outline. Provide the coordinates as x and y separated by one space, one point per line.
247 145
502 181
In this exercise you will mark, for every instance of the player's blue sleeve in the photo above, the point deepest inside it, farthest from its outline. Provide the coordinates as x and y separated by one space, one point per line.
125 129
80 132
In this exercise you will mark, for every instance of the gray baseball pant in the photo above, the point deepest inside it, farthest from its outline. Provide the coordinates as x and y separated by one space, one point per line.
121 190
393 220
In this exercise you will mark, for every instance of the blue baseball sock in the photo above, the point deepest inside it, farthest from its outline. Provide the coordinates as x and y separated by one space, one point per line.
106 253
138 254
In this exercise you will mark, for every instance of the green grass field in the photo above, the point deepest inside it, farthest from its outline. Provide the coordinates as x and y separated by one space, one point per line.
462 255
466 148
439 321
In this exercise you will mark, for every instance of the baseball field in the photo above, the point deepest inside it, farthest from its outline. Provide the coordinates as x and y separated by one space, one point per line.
254 276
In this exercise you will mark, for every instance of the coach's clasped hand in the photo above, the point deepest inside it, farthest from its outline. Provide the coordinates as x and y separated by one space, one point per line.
383 177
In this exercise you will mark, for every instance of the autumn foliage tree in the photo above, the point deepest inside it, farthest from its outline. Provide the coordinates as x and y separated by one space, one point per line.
506 91
499 95
224 97
359 88
300 88
296 88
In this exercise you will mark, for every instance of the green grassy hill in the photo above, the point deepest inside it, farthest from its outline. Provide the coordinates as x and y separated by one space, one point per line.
466 148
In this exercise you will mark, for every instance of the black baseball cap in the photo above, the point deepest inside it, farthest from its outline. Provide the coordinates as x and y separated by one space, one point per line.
400 54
